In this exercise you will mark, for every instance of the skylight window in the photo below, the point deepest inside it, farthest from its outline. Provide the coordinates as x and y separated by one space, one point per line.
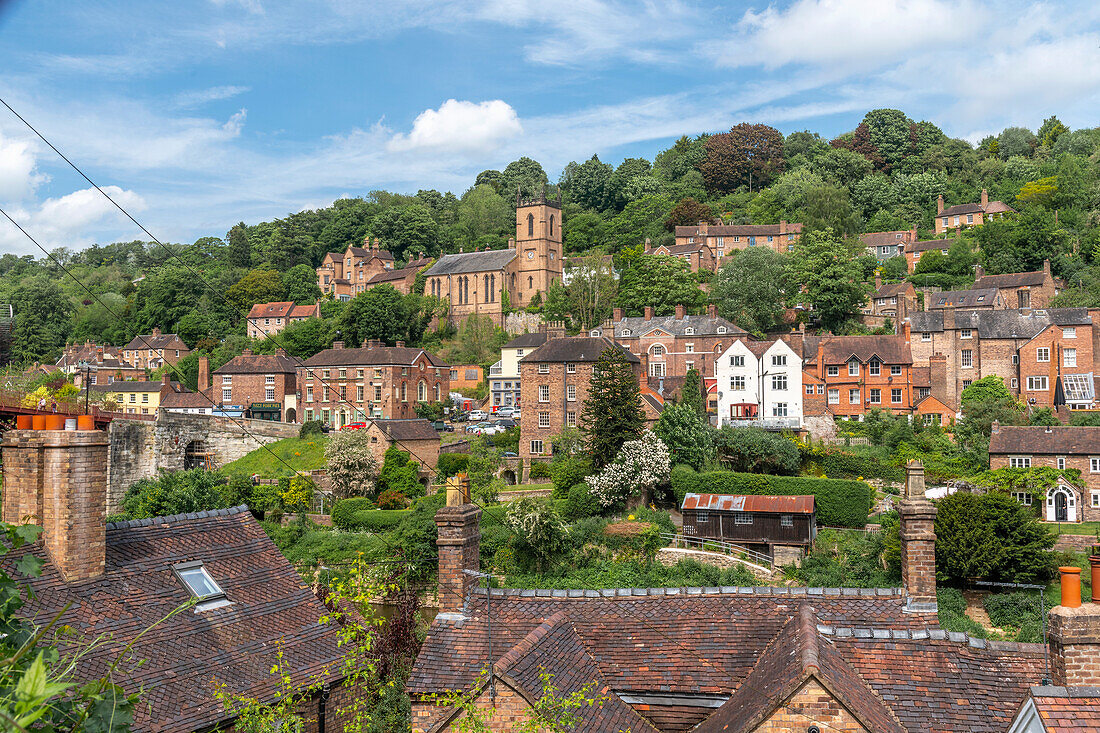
201 585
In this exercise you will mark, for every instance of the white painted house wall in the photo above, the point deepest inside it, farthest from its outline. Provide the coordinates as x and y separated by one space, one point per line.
743 378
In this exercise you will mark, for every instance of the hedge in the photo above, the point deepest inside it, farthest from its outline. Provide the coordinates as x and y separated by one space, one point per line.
839 503
846 465
359 515
450 464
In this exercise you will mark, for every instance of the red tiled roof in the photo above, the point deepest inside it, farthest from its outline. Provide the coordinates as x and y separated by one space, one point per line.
279 309
750 503
1070 440
1067 709
744 230
839 349
878 239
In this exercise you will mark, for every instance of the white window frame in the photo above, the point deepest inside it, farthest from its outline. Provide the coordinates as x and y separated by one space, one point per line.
1042 354
544 393
1019 461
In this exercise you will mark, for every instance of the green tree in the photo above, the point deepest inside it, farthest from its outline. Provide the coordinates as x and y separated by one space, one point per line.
993 537
258 286
585 230
842 166
828 207
351 465
612 412
524 175
693 394
378 313
640 220
592 291
479 341
589 183
755 450
1015 141
688 212
750 289
41 321
681 159
984 401
177 492
300 285
659 281
540 533
240 248
890 134
830 275
747 155
482 211
399 473
682 429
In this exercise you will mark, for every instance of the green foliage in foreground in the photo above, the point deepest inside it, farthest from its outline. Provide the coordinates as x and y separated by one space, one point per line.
611 574
302 454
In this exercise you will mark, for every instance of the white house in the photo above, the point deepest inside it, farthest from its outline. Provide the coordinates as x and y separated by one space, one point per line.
760 385
504 375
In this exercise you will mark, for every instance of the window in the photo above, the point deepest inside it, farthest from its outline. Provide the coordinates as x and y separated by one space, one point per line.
570 419
1094 465
657 350
359 393
809 389
895 371
1019 461
967 383
779 409
969 218
821 389
689 331
422 392
721 329
269 394
689 348
544 393
1069 333
626 332
203 587
876 396
344 391
701 517
377 393
1015 358
1037 384
874 367
571 392
1096 499
1069 357
833 371
895 396
145 398
536 447
966 358
834 396
544 419
1042 354
786 520
779 360
737 361
133 397
853 396
853 368
1061 463
544 368
404 392
657 369
925 337
742 518
227 394
570 368
779 382
966 333
1023 497
343 373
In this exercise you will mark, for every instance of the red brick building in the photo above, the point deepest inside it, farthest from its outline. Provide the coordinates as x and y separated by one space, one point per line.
403 280
154 350
915 250
861 373
265 385
341 386
343 276
698 255
722 239
1022 289
964 216
1060 447
416 437
267 319
891 300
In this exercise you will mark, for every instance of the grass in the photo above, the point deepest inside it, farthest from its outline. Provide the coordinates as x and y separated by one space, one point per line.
302 454
528 487
1082 528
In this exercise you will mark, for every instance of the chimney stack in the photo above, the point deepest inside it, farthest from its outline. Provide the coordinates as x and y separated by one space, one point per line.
280 351
712 311
156 331
1075 635
459 544
878 279
680 312
985 198
399 344
204 374
1046 267
58 479
939 204
649 313
937 376
511 242
918 543
782 226
337 344
979 273
617 314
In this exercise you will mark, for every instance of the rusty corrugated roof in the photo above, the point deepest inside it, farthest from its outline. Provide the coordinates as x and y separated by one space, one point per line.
751 503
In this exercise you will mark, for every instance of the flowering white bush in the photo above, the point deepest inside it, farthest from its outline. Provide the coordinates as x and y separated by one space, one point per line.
641 466
352 467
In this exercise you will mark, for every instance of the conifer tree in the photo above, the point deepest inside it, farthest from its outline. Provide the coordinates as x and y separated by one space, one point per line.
612 412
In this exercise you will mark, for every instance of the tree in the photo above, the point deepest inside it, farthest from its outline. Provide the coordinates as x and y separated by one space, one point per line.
378 313
681 159
827 207
258 286
400 473
540 533
1051 129
585 230
612 412
640 220
660 281
859 141
749 289
352 467
240 248
1015 141
693 394
589 183
889 131
747 155
984 401
479 341
804 144
688 212
482 211
755 450
524 175
300 284
681 428
843 166
592 290
830 275
639 467
176 492
41 321
991 536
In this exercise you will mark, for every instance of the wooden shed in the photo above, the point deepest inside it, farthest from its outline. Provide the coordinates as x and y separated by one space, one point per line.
765 520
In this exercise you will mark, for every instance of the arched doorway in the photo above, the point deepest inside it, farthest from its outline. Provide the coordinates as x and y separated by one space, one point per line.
509 477
1061 506
291 415
195 455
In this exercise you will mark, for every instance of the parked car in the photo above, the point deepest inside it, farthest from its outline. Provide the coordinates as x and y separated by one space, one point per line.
505 423
477 416
443 427
484 428
506 411
354 426
515 414
509 454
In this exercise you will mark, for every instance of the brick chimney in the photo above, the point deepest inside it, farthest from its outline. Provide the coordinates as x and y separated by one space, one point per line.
511 242
878 279
617 314
204 374
782 226
948 318
918 543
246 352
985 198
459 544
648 244
1074 635
939 204
58 478
280 351
649 313
821 359
712 311
703 228
1046 267
680 312
337 344
906 331
795 339
156 331
399 344
979 273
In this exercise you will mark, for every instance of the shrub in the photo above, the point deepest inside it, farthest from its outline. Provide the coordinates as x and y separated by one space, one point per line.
754 450
1012 609
345 509
845 465
540 469
450 464
399 473
639 468
310 427
952 612
376 520
838 503
991 536
567 473
580 503
177 492
391 499
352 467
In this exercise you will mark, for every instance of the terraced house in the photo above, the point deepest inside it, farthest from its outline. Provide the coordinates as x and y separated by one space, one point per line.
154 350
861 373
340 386
268 319
722 239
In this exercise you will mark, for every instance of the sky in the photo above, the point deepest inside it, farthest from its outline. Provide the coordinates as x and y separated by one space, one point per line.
197 114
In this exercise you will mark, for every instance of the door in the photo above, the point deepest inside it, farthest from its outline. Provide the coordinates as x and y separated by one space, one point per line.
1060 510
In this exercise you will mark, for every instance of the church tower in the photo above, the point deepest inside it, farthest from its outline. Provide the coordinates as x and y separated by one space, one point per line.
538 248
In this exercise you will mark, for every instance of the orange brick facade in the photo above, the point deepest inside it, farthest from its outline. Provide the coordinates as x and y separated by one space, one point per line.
342 276
552 401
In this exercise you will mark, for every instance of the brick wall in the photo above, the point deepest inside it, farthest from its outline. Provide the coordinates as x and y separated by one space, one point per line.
1075 645
395 386
458 542
555 412
248 388
507 710
811 705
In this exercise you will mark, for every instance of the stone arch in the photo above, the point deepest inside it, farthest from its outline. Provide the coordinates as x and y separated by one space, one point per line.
195 455
291 415
509 476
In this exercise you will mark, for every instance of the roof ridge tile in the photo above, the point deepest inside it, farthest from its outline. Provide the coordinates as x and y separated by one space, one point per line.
149 521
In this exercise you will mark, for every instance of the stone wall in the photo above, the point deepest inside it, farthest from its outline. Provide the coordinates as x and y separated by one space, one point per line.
131 456
521 322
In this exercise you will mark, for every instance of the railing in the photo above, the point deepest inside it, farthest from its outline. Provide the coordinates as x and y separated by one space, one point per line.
767 423
727 548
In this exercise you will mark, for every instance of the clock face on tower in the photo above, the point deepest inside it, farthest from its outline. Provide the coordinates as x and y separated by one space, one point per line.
530 254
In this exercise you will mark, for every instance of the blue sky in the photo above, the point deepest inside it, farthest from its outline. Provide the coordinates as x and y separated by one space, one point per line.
202 113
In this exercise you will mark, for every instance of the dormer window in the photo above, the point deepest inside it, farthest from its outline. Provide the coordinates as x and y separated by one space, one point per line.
721 329
689 331
201 585
626 332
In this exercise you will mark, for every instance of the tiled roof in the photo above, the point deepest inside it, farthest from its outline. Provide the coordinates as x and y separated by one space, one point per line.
377 355
1058 439
750 503
149 341
744 230
703 326
1067 708
279 309
681 249
1012 280
972 208
527 340
369 254
973 298
839 349
415 429
928 244
186 400
259 364
127 386
485 261
891 289
392 275
1003 324
577 349
185 655
879 239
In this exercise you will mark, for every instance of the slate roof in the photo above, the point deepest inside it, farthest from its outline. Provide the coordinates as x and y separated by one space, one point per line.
891 289
693 646
485 261
1067 708
528 340
178 399
1003 324
703 325
880 239
839 349
971 208
1058 439
972 298
1012 280
744 230
377 355
184 655
928 244
416 429
392 275
577 349
259 364
750 503
148 341
368 254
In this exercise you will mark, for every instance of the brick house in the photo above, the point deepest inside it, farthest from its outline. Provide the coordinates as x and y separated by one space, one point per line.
268 319
1060 447
722 239
724 659
915 250
554 382
978 299
964 216
885 245
698 255
862 372
504 380
154 350
403 280
101 362
1022 289
1032 350
342 276
891 300
341 386
466 377
111 581
265 385
476 283
417 437
668 346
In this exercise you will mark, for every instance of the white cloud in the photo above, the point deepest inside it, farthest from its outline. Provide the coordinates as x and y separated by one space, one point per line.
460 126
235 123
68 221
199 97
19 175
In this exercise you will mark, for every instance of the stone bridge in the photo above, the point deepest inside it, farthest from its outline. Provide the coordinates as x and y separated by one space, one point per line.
176 442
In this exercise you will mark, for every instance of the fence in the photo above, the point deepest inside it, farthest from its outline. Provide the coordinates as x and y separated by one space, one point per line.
728 548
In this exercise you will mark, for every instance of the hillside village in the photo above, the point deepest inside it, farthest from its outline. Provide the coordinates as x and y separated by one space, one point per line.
689 444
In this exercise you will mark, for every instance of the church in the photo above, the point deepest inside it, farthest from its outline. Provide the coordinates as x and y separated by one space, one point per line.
479 282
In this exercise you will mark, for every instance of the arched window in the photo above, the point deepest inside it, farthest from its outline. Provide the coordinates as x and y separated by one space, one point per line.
530 282
421 392
657 350
437 391
530 225
551 225
487 291
493 288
